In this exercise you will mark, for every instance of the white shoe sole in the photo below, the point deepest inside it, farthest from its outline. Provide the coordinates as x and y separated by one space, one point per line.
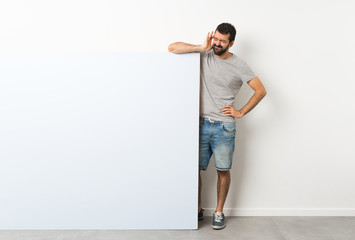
218 227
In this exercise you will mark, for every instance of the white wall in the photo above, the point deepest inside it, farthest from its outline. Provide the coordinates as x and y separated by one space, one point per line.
293 154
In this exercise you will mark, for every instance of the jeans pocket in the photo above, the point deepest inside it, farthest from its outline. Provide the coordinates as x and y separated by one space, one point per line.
229 127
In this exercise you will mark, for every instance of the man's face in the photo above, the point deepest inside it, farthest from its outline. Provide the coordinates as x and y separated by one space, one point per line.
220 43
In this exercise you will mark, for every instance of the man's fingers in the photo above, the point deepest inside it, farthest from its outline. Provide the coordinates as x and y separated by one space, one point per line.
208 37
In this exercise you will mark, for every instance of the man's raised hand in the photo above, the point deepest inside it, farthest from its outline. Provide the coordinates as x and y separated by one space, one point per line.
208 42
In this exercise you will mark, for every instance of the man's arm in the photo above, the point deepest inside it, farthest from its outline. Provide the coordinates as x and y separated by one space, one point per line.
181 47
259 94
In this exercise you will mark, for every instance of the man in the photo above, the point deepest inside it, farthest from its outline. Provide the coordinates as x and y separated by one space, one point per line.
222 74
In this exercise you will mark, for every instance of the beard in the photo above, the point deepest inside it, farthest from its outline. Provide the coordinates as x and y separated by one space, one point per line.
219 51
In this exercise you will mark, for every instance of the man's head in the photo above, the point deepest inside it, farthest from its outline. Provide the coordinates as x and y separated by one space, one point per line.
223 38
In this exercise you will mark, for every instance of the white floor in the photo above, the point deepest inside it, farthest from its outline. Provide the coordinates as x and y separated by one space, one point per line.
244 228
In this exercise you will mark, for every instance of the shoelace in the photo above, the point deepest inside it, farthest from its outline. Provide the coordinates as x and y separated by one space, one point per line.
218 217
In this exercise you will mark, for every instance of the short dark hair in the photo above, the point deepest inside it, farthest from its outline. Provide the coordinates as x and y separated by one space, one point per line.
225 28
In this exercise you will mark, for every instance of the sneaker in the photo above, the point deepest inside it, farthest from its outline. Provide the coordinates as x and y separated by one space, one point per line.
200 214
218 220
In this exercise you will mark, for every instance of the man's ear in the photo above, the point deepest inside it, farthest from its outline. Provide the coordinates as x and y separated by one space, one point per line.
231 44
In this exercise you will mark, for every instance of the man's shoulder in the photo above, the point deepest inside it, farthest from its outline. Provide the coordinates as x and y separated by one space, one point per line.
239 61
235 57
206 53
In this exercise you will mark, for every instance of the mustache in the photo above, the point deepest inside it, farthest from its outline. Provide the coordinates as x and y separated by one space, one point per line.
216 46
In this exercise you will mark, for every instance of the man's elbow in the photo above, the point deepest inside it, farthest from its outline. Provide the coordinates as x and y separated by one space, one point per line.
261 93
171 48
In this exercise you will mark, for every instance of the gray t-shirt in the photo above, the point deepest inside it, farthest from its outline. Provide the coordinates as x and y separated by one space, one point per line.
220 81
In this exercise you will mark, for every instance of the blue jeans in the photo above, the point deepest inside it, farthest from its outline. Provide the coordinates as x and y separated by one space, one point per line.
216 137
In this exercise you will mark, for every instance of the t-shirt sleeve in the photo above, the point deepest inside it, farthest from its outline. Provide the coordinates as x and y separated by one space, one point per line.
247 73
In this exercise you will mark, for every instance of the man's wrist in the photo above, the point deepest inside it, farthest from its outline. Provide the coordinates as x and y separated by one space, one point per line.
239 114
242 113
200 48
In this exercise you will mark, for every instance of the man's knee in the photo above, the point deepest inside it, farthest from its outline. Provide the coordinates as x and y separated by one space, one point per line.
223 173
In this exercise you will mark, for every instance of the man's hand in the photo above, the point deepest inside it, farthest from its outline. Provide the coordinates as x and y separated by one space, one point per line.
208 42
259 94
231 111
